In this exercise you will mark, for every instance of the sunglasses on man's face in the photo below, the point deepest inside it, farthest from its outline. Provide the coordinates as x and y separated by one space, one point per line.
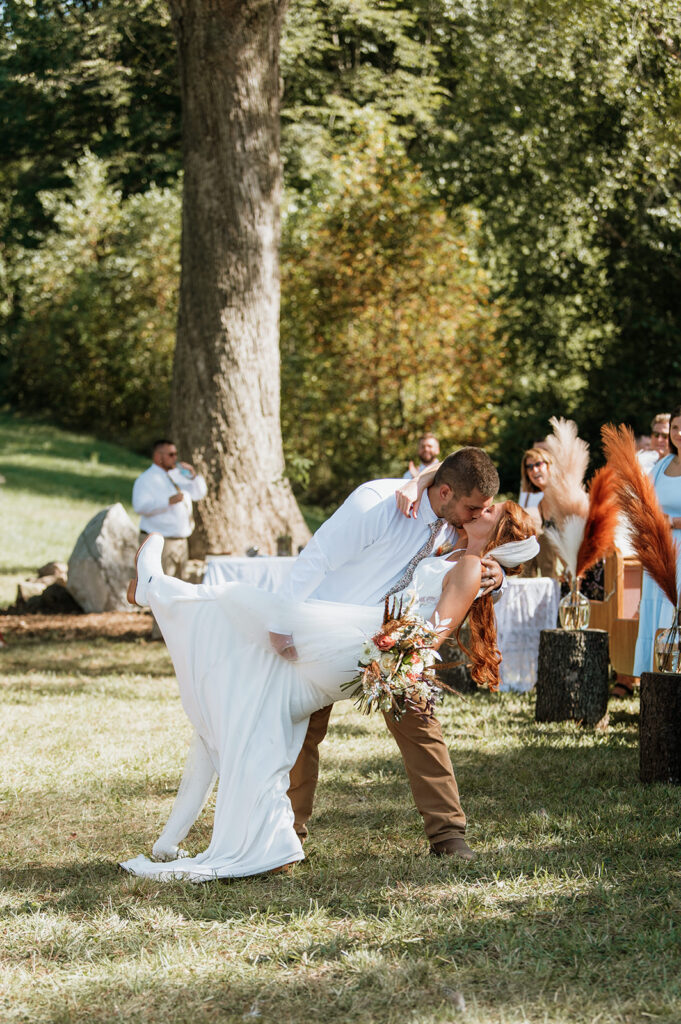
529 466
660 433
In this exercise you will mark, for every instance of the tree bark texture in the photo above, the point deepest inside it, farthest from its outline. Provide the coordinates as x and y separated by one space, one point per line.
660 728
456 671
225 414
572 676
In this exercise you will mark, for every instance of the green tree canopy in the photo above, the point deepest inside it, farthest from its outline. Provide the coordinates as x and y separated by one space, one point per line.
95 338
387 324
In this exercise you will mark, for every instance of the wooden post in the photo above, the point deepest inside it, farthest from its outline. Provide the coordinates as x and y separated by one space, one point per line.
660 728
572 676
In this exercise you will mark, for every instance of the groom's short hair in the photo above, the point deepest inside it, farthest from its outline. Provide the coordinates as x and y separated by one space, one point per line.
467 469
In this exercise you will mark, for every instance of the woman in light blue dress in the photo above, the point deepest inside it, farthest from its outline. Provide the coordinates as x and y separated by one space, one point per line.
656 611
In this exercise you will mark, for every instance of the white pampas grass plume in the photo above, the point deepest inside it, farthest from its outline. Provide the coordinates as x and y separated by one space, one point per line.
564 494
567 540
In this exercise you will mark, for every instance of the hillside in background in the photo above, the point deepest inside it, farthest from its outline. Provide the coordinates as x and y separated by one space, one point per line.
55 481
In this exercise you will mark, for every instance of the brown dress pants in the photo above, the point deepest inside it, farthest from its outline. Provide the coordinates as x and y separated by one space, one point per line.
427 762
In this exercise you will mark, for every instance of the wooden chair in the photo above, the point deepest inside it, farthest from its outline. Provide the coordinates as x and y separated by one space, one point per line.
616 613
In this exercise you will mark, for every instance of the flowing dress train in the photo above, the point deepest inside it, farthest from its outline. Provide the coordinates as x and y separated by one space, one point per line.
251 708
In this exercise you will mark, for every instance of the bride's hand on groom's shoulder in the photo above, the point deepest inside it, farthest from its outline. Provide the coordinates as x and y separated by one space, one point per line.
408 498
283 644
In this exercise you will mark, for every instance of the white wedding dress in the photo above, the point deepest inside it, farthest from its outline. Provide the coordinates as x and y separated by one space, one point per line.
250 707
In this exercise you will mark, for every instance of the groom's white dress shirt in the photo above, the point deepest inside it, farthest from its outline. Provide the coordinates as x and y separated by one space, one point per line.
358 554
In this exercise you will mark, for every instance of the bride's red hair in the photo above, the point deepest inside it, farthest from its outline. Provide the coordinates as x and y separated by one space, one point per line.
513 524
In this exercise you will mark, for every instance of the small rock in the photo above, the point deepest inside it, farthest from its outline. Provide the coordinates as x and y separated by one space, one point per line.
29 589
58 570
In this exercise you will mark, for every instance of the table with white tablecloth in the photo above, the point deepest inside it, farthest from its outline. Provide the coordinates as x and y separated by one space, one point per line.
267 573
526 607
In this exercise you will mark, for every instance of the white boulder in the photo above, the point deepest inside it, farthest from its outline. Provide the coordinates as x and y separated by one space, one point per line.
103 561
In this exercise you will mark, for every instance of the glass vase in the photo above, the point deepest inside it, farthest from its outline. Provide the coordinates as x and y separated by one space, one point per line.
667 652
574 609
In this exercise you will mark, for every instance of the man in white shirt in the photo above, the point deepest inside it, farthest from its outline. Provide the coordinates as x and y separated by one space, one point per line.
163 497
429 451
358 556
659 442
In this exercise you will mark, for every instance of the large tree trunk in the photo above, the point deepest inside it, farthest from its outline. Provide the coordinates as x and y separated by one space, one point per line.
225 412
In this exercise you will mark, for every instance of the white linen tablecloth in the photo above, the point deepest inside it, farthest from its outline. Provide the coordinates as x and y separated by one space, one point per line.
527 607
266 572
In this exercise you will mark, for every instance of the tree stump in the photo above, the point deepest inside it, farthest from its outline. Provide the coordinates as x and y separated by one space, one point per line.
660 727
457 674
572 676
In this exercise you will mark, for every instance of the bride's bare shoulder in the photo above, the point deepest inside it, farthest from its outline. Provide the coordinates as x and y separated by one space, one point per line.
466 570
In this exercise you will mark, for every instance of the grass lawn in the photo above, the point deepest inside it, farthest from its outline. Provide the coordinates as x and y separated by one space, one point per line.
572 913
55 481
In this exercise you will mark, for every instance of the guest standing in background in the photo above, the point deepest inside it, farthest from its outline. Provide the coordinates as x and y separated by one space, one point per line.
163 497
659 443
655 610
429 451
534 474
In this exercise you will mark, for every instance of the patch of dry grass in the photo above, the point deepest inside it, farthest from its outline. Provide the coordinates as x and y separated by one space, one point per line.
570 914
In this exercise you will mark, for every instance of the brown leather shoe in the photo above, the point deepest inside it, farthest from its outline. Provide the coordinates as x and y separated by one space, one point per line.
456 847
283 869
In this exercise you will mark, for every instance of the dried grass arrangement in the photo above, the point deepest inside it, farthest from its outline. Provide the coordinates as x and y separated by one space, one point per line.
583 523
651 534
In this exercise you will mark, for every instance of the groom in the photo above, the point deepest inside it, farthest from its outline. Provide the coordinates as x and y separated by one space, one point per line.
365 551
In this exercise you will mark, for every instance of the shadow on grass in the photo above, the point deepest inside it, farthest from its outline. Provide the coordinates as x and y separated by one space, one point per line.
79 676
14 693
410 990
28 437
364 964
106 488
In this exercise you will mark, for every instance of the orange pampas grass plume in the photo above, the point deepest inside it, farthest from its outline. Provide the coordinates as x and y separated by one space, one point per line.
601 521
650 531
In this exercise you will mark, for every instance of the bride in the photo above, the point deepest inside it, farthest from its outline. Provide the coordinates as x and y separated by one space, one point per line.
250 707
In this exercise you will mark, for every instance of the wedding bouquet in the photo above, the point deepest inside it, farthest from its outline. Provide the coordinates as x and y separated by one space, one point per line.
396 668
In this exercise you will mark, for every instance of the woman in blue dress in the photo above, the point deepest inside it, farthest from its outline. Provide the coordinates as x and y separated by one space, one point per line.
656 611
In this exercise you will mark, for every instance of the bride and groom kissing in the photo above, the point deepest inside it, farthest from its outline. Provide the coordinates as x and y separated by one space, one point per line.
258 672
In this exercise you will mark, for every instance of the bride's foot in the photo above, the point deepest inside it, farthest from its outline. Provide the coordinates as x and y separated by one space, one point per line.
165 852
147 565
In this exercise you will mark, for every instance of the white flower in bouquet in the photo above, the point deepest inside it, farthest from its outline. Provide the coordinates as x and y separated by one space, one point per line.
396 667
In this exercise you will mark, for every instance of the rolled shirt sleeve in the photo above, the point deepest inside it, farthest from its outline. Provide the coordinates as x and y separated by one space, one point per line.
196 487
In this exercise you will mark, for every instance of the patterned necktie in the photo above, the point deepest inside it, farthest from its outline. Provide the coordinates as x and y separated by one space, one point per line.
423 552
